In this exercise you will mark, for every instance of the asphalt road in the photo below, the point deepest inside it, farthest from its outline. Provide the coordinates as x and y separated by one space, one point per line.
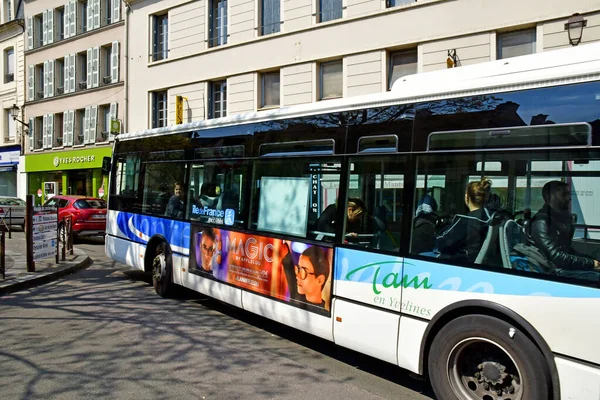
104 333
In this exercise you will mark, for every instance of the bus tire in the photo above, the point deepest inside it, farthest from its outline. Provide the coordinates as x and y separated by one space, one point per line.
483 357
162 270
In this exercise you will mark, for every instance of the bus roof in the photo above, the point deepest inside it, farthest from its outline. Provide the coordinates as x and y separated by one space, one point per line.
557 67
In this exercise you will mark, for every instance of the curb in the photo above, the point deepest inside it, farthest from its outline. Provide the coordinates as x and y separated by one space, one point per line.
30 281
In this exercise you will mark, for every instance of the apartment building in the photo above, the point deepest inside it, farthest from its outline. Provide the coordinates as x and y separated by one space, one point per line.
73 89
236 56
11 93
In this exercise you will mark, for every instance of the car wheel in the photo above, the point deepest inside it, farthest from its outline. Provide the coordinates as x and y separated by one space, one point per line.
162 267
478 357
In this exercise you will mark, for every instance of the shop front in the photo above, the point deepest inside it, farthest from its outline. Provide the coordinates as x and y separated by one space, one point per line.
74 172
9 161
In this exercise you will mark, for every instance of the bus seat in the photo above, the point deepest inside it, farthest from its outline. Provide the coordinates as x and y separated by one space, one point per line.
511 233
490 249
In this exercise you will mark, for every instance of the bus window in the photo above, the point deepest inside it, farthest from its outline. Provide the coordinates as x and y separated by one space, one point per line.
290 196
127 174
538 216
374 205
164 185
216 192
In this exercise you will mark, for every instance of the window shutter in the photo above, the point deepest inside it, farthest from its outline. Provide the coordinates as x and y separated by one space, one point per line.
95 66
44 27
50 130
93 123
29 43
44 130
116 11
86 125
31 132
113 115
89 68
65 128
31 83
45 83
96 4
66 74
70 118
72 73
90 16
66 24
114 62
50 27
50 78
72 18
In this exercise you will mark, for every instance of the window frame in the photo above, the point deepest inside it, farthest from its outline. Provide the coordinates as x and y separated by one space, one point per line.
390 64
500 36
263 104
160 37
213 90
8 65
322 80
159 97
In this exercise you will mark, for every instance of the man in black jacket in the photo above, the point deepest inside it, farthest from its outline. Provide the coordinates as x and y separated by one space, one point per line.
552 230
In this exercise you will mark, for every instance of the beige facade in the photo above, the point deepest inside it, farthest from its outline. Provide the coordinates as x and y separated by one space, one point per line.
373 42
73 81
73 88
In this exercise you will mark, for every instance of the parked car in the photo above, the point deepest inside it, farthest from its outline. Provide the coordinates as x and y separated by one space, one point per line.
12 211
88 214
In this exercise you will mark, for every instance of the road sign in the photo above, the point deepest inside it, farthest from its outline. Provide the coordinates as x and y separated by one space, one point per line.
39 192
115 126
43 250
44 218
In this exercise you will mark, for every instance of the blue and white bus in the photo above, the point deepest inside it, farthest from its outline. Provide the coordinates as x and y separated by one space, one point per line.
259 211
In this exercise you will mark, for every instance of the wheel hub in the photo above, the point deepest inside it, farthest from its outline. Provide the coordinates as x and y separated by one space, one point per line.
492 372
159 267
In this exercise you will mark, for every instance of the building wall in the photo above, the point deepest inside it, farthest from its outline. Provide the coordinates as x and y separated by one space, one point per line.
362 38
555 37
11 92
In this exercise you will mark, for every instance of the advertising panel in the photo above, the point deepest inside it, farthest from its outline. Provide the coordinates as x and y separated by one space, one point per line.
44 232
291 271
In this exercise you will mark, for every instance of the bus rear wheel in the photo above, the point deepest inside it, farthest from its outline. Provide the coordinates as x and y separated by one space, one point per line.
162 267
479 357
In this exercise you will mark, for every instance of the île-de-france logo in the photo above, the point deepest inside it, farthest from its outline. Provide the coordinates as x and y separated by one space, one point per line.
56 161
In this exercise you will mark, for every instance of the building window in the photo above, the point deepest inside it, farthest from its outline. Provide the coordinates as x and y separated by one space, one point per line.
394 3
81 70
160 35
331 83
218 99
39 81
159 109
83 17
80 126
270 16
330 10
270 89
106 10
57 134
518 43
402 63
104 123
59 20
59 75
8 11
38 30
218 23
10 127
105 66
9 66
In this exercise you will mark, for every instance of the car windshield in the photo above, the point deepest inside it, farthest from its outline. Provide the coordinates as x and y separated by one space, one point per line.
90 203
12 202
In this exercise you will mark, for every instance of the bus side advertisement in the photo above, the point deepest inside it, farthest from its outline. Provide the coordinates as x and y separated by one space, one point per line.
291 271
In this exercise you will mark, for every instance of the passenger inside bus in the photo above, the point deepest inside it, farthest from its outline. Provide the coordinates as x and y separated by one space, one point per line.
465 236
425 223
176 206
552 232
209 195
358 220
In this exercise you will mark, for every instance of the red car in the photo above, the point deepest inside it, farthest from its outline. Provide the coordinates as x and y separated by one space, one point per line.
88 214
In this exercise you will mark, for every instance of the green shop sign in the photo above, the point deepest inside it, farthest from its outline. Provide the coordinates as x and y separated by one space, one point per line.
64 160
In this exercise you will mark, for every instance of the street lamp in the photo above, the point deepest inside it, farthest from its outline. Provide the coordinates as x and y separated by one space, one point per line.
574 27
14 112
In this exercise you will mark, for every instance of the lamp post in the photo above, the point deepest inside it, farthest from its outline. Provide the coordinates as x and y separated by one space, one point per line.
14 112
574 27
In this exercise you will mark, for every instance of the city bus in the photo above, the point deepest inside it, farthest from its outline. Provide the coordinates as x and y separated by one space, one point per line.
309 216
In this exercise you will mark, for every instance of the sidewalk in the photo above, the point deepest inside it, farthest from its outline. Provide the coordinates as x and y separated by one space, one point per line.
17 277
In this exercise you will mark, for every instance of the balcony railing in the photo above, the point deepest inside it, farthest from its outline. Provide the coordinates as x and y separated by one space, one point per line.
9 78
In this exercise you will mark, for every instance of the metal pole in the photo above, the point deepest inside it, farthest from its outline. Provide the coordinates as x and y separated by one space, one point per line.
29 233
9 223
2 256
57 233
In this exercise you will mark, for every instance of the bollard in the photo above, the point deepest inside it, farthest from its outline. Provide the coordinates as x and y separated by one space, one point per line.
2 255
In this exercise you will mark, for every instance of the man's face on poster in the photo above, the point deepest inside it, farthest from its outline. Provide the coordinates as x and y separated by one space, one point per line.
308 283
207 247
